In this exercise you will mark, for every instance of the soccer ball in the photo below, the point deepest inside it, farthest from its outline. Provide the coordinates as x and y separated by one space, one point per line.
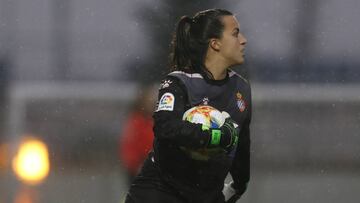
211 118
206 115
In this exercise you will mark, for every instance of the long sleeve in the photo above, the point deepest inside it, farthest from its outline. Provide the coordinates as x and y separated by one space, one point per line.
168 123
240 170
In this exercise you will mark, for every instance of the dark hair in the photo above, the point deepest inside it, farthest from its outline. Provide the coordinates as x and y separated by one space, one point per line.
191 39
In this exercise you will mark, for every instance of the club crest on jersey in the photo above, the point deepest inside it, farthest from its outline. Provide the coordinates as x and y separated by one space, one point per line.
240 102
166 102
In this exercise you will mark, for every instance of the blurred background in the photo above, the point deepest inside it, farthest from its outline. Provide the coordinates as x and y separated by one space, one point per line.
75 73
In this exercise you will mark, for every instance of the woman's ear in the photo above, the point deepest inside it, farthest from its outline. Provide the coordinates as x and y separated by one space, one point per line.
215 44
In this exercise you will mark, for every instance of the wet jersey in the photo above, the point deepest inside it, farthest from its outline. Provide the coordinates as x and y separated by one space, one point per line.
180 91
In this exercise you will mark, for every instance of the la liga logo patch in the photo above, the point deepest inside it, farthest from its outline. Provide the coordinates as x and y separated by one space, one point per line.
240 102
166 102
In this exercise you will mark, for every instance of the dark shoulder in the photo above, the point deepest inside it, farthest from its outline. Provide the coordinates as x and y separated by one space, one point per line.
172 82
238 76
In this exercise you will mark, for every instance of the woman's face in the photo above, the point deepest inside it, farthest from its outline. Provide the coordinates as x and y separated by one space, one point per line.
232 42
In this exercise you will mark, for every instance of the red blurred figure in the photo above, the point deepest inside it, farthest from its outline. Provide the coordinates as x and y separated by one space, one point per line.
137 135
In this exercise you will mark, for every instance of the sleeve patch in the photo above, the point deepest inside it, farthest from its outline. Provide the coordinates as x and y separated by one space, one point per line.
166 102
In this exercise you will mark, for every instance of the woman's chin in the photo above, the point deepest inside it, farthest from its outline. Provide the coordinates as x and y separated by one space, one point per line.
239 62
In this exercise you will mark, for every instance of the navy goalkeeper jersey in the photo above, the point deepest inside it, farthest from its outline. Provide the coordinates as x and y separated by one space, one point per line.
180 91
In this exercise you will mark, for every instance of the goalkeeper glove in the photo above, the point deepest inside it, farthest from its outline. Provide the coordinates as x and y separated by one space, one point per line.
226 136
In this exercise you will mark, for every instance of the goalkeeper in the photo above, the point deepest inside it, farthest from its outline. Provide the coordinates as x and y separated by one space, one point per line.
205 47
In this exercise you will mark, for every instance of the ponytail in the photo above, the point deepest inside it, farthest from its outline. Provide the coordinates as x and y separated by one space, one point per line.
181 43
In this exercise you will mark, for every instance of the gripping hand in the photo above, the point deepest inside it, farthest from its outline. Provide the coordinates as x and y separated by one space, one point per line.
226 136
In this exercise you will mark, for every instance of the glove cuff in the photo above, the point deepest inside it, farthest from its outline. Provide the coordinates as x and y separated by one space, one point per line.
215 137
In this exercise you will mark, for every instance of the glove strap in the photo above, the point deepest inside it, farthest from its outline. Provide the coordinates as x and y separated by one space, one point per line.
215 137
